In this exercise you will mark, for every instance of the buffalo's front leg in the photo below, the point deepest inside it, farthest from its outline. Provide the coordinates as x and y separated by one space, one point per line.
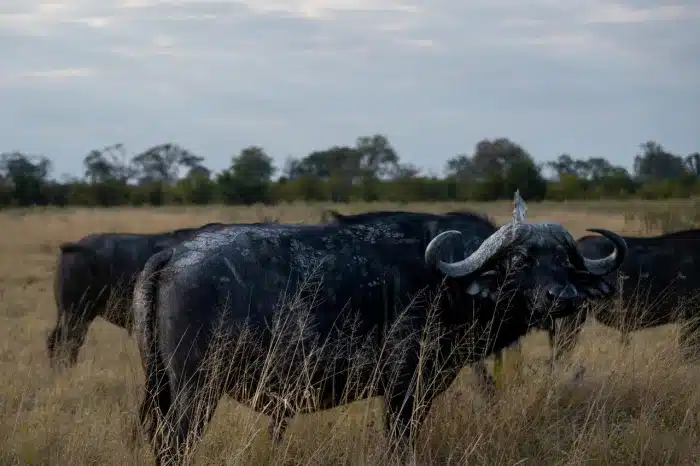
570 332
65 340
277 427
398 414
403 418
625 339
404 413
486 381
689 339
499 363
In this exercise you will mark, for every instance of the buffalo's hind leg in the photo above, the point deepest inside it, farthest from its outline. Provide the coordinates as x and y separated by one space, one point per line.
625 339
277 427
51 344
150 417
689 340
402 422
65 340
485 380
185 423
555 354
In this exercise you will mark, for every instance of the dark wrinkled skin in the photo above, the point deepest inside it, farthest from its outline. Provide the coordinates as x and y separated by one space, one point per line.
660 284
234 277
94 278
482 227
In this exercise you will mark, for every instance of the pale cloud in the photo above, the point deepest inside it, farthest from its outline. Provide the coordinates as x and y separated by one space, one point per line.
44 77
615 13
580 45
60 73
96 22
584 76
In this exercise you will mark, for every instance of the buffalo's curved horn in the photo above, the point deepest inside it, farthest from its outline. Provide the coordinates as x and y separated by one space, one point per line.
504 237
598 267
606 265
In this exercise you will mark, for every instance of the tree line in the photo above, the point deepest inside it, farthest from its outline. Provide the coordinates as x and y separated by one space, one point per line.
370 170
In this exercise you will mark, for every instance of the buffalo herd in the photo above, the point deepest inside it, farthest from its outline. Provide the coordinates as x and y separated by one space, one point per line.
292 318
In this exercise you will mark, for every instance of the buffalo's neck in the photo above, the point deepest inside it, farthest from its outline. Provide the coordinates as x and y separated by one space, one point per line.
484 326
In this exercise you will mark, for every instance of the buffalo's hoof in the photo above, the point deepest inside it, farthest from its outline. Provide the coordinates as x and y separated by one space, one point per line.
578 375
276 431
135 437
490 389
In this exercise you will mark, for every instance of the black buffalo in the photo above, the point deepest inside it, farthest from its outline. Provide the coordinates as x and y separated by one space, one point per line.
332 313
659 284
94 277
561 327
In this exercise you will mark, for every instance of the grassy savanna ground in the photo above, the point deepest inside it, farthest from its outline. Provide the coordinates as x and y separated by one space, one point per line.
636 405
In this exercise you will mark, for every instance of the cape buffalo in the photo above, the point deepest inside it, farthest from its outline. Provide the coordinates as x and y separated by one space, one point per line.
299 318
94 277
486 228
660 284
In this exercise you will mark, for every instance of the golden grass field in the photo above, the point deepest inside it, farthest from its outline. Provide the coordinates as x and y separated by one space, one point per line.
635 406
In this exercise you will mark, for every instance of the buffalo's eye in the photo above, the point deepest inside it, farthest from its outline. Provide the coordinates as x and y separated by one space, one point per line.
565 261
525 260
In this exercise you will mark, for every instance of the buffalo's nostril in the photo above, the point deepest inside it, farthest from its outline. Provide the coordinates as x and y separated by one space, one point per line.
563 292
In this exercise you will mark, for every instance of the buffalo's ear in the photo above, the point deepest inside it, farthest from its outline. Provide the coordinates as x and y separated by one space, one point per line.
600 288
159 246
484 285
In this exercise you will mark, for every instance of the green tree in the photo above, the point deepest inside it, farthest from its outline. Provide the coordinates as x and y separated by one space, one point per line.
564 165
248 179
163 163
692 161
110 163
376 158
337 166
502 166
460 167
25 176
370 170
655 163
197 187
109 170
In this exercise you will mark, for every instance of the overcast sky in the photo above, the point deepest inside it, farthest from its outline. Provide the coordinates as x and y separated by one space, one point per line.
590 78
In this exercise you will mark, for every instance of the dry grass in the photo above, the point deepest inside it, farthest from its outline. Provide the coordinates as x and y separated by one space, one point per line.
636 405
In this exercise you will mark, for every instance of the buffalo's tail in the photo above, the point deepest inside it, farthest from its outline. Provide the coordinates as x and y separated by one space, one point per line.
157 397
